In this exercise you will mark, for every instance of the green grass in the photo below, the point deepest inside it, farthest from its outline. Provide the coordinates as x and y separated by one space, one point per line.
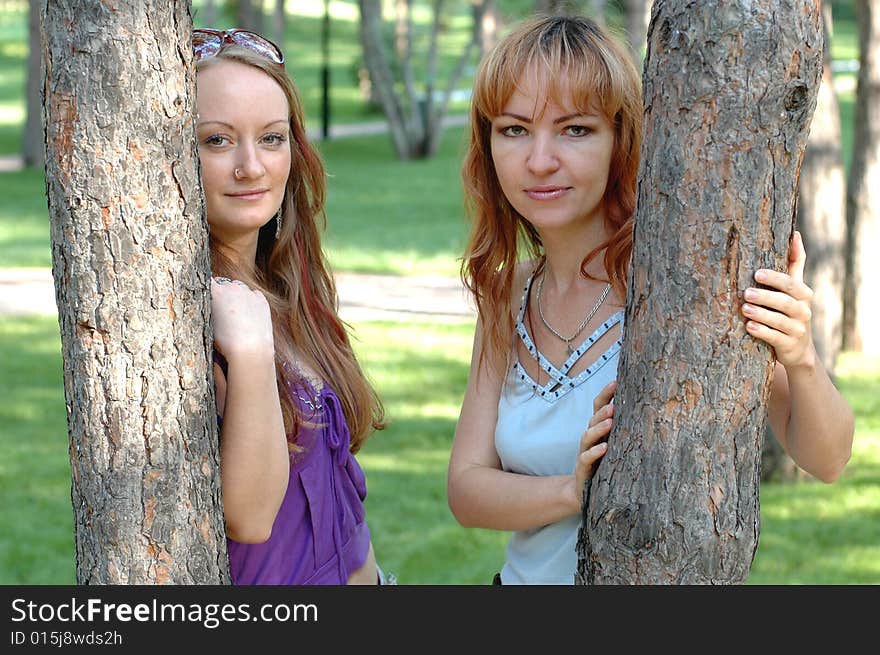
811 533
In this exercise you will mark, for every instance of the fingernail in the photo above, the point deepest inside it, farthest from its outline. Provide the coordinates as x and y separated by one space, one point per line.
750 293
761 275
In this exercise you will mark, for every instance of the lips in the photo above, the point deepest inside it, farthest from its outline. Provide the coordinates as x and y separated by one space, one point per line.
252 194
546 192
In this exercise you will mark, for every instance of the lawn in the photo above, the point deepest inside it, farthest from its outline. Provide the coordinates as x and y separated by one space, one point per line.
811 533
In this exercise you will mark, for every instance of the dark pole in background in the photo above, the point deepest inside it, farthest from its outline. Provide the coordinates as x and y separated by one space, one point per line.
325 72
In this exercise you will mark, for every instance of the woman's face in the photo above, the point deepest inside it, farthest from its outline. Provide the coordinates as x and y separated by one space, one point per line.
551 159
244 149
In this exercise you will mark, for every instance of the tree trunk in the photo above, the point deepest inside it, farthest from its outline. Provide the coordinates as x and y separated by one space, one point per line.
415 118
131 268
597 10
729 93
555 6
821 218
33 147
638 13
489 22
279 20
250 15
209 16
862 311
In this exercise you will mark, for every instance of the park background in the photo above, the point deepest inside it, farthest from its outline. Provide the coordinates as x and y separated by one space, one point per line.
395 218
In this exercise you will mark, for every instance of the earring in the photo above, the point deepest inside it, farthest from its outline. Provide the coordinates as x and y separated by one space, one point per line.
278 224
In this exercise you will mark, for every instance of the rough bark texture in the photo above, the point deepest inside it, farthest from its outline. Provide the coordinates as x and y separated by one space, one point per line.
821 218
130 264
862 311
730 88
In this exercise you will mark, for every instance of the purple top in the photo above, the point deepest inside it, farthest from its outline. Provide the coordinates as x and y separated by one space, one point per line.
320 535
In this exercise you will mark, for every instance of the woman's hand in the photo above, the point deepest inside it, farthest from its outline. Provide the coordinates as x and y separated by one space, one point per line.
242 320
593 445
780 316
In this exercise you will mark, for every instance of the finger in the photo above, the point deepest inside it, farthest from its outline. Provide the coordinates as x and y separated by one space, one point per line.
777 283
596 433
768 335
606 411
604 397
773 301
797 257
776 321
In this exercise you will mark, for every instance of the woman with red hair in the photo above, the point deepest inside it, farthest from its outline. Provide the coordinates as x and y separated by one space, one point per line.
550 179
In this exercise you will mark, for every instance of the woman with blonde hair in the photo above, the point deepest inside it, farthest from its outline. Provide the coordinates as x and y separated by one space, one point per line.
550 178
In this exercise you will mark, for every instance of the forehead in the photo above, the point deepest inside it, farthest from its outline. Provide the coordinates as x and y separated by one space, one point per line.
226 85
539 91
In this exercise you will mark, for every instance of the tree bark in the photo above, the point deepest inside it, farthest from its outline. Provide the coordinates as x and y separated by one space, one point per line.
131 269
821 218
861 309
729 92
33 148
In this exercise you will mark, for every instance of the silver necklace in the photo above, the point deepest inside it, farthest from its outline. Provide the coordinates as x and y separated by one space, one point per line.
583 324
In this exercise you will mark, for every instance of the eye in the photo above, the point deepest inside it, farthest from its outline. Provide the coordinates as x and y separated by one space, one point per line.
578 130
512 130
275 139
215 140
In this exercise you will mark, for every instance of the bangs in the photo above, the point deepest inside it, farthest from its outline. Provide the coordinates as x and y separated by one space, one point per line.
565 66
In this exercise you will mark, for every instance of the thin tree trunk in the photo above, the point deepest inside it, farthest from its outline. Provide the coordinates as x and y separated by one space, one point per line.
131 266
279 21
729 93
597 10
33 147
638 13
862 311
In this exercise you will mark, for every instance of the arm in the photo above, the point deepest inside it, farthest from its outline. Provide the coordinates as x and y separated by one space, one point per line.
809 416
482 495
254 458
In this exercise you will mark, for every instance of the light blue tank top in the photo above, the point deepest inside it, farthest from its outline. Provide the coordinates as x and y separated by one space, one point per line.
538 433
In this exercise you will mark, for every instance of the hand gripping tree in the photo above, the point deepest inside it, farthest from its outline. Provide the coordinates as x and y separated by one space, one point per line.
730 89
131 266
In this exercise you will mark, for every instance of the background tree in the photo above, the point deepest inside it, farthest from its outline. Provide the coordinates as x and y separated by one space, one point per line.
556 6
729 92
279 22
638 14
596 9
33 151
130 263
249 14
414 112
861 309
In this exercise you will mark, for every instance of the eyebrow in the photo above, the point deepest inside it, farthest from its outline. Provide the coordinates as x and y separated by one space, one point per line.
561 119
224 124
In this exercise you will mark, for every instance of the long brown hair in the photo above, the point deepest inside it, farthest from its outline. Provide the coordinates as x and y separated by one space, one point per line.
569 54
293 274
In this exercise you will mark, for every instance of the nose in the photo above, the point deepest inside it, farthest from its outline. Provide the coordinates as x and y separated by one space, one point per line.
248 163
542 158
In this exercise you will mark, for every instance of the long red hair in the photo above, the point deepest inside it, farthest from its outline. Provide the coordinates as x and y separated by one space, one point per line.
572 55
293 274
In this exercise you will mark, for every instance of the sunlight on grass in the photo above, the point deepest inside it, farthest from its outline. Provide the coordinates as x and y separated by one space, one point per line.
11 114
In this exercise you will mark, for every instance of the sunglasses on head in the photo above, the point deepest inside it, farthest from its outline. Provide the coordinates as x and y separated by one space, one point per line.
207 43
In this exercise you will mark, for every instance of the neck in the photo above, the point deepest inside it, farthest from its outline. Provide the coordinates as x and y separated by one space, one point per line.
563 263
